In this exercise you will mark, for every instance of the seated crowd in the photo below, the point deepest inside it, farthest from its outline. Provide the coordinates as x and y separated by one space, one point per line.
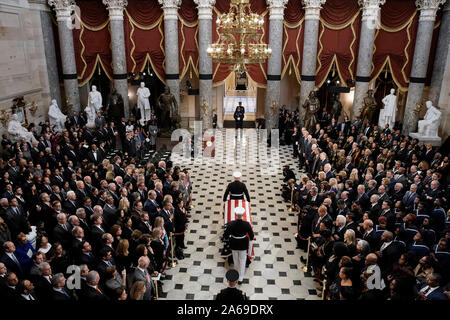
75 225
373 208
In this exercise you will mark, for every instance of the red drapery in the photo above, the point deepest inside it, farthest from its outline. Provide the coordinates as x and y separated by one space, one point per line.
339 29
188 37
144 36
395 41
293 35
92 41
257 72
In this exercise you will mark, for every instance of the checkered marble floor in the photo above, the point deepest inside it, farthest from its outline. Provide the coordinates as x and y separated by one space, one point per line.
276 272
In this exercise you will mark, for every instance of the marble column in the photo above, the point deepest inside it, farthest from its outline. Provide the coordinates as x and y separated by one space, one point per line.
308 76
441 56
119 62
428 9
204 62
170 8
274 64
50 51
64 10
370 19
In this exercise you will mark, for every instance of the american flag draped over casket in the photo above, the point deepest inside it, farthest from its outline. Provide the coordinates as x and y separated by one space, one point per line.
229 215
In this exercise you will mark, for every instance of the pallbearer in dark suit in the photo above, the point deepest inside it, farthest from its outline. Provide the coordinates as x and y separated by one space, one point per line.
237 231
236 189
231 293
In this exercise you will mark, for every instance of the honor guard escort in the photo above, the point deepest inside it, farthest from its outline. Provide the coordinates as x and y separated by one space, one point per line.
236 189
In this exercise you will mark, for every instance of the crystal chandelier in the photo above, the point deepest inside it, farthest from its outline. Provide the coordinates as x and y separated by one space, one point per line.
239 31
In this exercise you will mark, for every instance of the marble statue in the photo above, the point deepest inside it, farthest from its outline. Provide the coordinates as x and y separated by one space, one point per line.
312 106
428 127
387 115
143 103
90 114
169 109
56 117
336 109
369 104
95 99
17 132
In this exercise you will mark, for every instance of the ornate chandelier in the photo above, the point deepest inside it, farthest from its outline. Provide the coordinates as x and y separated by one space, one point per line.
239 31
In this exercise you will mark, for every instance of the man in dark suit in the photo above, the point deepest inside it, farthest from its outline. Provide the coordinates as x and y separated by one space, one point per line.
369 234
362 197
141 274
151 206
9 292
321 216
70 205
86 257
16 219
374 210
144 224
380 174
63 231
388 253
10 259
59 292
409 197
97 231
92 291
432 290
43 283
93 155
25 291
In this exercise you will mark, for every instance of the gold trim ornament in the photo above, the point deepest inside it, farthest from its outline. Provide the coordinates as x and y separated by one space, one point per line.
32 107
4 118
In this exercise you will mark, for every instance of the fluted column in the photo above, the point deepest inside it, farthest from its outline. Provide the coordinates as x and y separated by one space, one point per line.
308 76
274 64
64 10
428 10
119 62
204 8
170 8
441 55
370 19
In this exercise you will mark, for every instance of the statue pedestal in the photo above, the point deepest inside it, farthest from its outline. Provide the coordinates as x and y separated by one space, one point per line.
435 141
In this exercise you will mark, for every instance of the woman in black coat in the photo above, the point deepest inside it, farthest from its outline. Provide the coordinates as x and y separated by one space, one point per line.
180 224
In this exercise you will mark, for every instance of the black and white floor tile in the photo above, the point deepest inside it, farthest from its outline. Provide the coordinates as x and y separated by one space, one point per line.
276 272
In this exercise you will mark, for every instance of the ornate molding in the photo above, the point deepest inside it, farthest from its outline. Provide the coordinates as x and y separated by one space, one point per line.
115 8
312 9
63 9
276 9
204 8
170 8
428 9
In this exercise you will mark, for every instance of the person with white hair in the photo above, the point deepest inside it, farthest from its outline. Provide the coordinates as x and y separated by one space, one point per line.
92 292
236 189
339 228
240 234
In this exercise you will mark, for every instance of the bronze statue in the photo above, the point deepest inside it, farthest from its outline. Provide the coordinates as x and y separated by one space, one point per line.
312 106
168 106
336 108
115 105
369 105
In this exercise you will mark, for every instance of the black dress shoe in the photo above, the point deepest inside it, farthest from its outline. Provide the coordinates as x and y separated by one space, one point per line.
303 260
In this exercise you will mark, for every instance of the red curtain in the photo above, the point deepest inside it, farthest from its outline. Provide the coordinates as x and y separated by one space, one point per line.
144 36
339 29
293 35
92 41
395 41
188 37
257 72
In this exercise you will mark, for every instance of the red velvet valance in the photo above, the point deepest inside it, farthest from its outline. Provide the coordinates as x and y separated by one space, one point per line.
395 41
257 72
293 35
188 37
339 29
92 41
144 36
